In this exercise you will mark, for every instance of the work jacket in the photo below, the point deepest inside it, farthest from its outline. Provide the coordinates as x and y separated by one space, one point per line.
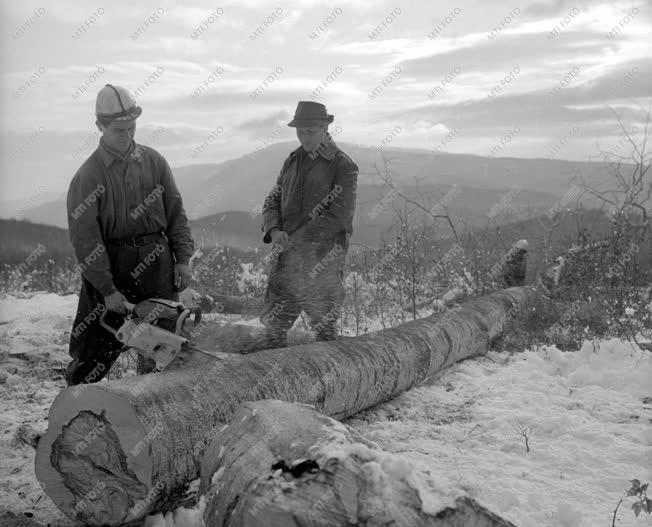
114 197
313 199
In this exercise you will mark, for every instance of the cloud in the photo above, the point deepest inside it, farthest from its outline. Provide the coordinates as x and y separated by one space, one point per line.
554 7
584 102
259 128
189 99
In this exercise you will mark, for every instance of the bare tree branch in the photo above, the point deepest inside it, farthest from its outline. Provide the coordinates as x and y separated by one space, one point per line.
388 180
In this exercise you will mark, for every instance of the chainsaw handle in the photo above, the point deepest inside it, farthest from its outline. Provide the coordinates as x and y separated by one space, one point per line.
184 315
130 309
111 330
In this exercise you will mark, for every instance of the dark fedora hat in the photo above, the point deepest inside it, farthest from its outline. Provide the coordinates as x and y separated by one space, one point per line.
309 113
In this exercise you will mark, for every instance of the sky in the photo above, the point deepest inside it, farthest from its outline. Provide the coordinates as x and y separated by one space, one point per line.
216 81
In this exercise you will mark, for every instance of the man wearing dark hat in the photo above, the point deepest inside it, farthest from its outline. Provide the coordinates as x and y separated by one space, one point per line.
129 231
308 218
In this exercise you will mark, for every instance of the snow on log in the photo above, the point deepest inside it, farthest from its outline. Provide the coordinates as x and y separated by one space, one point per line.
280 464
116 450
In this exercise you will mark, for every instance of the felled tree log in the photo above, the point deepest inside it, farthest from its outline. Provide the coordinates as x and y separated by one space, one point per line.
143 436
280 464
513 263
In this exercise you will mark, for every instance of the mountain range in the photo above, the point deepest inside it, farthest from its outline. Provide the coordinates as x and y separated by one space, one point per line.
224 200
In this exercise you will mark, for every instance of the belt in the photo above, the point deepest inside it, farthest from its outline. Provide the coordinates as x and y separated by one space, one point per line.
137 240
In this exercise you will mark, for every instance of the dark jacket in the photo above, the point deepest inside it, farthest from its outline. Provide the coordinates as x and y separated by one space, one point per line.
114 198
316 204
515 269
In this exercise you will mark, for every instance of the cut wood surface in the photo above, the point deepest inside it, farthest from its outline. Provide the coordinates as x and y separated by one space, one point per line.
280 464
136 442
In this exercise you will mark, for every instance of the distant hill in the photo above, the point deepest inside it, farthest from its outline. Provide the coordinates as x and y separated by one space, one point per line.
18 239
240 230
241 184
571 229
473 207
375 213
16 208
53 211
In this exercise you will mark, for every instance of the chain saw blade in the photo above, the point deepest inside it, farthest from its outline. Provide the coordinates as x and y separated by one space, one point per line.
191 356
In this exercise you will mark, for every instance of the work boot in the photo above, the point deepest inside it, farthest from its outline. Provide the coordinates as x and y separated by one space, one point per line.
91 370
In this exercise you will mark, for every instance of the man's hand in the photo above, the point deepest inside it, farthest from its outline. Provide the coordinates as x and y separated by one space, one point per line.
116 302
280 240
181 276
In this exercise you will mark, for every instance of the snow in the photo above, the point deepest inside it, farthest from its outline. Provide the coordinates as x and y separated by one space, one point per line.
588 430
181 517
34 336
584 414
218 475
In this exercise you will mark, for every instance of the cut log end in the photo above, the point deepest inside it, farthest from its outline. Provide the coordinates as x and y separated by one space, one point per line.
90 459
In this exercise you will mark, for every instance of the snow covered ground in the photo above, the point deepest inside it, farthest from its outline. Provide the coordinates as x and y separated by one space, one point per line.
587 417
588 430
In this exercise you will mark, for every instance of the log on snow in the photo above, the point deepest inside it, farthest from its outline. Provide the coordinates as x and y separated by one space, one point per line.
134 444
280 464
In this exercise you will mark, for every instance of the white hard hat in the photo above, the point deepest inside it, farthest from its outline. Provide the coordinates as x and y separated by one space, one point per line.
116 104
521 244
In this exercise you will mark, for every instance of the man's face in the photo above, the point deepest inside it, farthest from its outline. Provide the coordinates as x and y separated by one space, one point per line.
118 135
311 136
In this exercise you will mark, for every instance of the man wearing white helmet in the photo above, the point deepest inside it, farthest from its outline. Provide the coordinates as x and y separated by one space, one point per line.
129 231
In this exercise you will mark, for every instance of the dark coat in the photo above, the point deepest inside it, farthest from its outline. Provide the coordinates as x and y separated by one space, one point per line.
313 200
515 269
114 198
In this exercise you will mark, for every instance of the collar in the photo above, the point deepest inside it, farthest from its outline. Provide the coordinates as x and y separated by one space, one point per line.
327 149
109 155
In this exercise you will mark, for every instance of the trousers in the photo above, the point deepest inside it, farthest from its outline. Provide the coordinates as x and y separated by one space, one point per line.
309 277
139 273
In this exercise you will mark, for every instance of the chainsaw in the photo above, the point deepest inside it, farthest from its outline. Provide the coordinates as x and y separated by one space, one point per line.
156 328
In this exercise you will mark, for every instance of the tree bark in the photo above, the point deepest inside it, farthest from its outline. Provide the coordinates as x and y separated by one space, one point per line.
143 436
280 464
